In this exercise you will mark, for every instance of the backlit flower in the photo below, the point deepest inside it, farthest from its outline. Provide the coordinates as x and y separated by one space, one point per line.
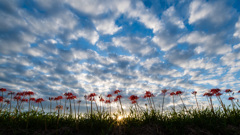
172 93
164 91
3 89
228 90
116 91
194 92
109 95
179 92
108 101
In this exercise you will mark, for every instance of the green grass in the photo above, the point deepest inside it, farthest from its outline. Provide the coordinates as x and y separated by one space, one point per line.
151 123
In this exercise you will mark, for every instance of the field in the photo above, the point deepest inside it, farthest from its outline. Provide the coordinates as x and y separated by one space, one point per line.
140 120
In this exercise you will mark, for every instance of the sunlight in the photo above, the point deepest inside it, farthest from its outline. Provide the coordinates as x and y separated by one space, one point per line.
119 118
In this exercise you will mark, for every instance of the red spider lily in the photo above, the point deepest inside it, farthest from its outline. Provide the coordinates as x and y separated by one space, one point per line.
68 94
108 101
60 97
11 93
214 91
115 100
3 89
119 97
51 98
92 95
133 97
24 100
172 93
148 94
134 102
209 94
228 90
218 94
59 107
7 101
91 98
32 99
179 92
101 99
109 95
56 98
17 98
71 97
116 91
20 94
194 92
231 98
39 100
29 93
239 91
1 99
164 91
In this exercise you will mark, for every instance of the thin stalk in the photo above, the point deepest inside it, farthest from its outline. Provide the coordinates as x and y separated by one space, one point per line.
163 102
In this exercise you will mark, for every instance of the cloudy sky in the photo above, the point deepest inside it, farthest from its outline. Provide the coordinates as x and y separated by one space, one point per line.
84 46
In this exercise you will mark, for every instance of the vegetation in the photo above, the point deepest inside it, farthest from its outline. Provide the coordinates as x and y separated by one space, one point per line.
148 120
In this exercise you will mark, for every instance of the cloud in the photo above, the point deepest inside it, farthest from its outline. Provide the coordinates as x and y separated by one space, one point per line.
237 27
206 43
131 43
200 10
171 15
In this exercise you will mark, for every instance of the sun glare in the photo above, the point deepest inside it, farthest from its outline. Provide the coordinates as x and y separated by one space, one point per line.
119 118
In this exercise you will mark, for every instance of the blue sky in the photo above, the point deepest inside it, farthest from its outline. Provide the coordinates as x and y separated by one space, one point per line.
84 46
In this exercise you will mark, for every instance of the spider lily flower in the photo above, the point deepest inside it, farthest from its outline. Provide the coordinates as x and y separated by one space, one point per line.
24 100
149 97
109 95
172 93
59 107
108 101
214 91
164 91
228 90
117 91
7 101
134 102
1 99
101 99
231 99
3 90
32 99
11 93
164 94
194 92
39 100
179 93
133 97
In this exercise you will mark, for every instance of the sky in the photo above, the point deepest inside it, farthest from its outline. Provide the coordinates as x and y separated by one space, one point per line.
84 46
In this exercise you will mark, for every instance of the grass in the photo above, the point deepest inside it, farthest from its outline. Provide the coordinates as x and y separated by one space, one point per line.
151 123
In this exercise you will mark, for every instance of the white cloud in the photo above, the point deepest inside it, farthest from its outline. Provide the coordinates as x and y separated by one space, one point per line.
106 26
165 40
131 43
206 43
146 17
213 11
170 14
237 27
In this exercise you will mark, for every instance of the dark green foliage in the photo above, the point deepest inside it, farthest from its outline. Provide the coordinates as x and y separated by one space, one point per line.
141 122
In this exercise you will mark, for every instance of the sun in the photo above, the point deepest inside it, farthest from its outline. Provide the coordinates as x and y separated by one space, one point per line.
119 118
